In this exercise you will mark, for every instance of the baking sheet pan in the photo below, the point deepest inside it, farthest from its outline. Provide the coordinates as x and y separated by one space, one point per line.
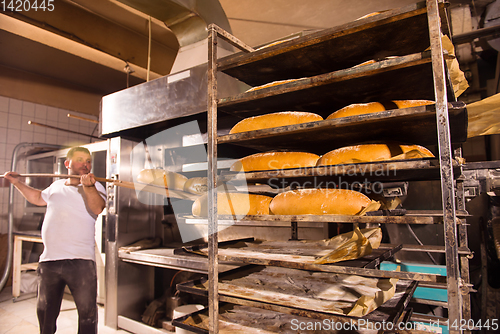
298 292
288 254
281 253
246 319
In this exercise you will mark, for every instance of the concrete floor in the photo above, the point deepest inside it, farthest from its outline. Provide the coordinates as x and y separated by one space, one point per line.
20 317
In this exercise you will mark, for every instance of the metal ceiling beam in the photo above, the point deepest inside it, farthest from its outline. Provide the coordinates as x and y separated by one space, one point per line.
110 27
58 42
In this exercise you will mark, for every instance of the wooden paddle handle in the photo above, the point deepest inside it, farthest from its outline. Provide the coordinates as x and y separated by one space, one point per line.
100 179
131 185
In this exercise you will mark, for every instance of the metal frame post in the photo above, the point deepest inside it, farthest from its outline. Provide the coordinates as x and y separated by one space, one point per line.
213 228
446 166
213 263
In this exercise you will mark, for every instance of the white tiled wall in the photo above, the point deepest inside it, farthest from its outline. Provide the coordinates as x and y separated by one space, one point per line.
14 129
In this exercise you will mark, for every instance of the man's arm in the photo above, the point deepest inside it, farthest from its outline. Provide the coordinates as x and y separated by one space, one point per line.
32 195
94 200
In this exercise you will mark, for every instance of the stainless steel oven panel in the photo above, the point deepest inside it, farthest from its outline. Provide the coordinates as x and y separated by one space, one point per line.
176 95
128 286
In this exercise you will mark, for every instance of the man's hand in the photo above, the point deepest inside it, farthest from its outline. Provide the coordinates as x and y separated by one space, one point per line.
13 177
94 200
32 195
87 180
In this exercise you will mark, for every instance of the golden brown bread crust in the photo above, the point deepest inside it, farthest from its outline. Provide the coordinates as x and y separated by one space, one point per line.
275 161
357 109
162 178
371 107
271 84
274 120
234 203
319 202
369 153
412 103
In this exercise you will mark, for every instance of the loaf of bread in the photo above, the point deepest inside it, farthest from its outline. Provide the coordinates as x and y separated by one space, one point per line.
357 109
373 152
277 42
199 186
271 84
319 202
234 203
412 103
275 161
368 15
162 178
371 107
196 185
274 120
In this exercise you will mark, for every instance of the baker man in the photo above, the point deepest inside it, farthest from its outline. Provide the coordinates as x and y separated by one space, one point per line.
68 234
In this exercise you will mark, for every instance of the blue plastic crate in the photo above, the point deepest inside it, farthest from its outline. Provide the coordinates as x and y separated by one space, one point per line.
421 292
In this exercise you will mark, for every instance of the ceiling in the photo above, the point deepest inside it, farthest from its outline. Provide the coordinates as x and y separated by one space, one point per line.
87 44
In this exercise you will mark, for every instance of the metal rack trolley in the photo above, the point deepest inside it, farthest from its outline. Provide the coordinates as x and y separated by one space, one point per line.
455 234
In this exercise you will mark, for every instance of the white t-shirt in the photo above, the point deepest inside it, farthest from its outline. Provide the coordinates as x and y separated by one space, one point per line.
68 229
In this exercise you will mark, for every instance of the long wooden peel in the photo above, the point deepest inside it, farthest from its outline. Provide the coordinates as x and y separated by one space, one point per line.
100 179
130 185
172 193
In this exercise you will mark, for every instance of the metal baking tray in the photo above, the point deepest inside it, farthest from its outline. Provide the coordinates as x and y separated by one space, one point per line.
390 311
245 254
366 266
246 319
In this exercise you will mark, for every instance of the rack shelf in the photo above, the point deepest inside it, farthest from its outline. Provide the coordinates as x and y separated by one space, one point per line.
333 176
389 311
165 258
307 219
293 257
398 32
410 125
327 92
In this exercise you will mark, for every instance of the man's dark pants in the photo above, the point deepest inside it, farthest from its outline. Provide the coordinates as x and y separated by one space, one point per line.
81 278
